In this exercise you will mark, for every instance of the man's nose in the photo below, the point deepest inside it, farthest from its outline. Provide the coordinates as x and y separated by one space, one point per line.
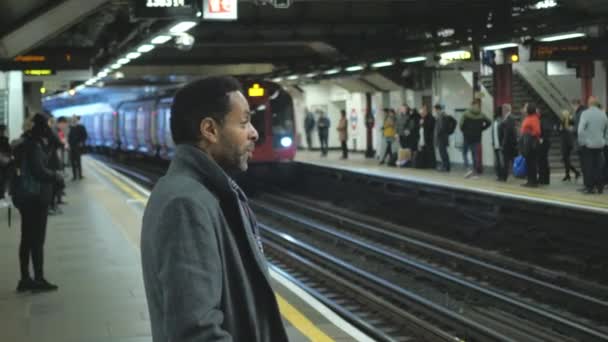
253 134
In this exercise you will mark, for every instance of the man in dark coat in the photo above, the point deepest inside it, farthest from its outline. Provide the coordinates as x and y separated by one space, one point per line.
77 139
204 270
442 136
309 126
425 158
323 129
508 138
5 160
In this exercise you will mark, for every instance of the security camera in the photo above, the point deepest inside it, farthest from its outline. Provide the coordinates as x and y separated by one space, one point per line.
281 3
184 42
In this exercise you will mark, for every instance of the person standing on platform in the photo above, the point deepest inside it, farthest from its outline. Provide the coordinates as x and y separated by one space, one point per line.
499 161
472 124
579 108
205 274
323 128
412 133
343 133
530 139
388 133
426 145
546 131
54 146
444 126
31 190
592 133
567 136
5 160
77 139
508 137
401 125
309 126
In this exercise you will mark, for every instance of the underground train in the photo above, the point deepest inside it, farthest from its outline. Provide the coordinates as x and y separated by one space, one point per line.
141 127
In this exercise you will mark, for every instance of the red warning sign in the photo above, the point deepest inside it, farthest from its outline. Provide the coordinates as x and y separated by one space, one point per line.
220 10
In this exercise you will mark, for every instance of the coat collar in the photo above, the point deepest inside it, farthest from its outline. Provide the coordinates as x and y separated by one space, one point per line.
197 164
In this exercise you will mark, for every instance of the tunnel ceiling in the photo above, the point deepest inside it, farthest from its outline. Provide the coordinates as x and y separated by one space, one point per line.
313 32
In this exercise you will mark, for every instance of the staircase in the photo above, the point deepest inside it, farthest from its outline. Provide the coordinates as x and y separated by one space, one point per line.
522 93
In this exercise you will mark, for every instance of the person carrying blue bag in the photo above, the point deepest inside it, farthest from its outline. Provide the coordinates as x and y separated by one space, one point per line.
520 169
529 144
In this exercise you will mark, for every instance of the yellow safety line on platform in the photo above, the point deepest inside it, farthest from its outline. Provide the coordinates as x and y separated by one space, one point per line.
121 185
293 315
473 186
300 322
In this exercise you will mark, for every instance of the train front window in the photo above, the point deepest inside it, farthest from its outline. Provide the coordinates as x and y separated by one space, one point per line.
281 106
257 120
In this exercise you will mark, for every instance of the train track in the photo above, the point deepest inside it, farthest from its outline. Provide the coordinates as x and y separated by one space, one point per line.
461 283
364 274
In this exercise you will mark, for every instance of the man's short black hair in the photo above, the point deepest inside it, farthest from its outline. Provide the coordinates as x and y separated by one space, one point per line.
200 99
531 108
62 119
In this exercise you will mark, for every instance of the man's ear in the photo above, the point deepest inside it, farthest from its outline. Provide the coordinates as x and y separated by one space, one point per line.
209 130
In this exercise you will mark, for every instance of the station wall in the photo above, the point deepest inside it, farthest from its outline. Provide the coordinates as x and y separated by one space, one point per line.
570 86
330 99
451 89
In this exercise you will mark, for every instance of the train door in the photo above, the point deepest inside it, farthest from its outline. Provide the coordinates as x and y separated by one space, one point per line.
130 127
143 121
98 129
122 126
163 126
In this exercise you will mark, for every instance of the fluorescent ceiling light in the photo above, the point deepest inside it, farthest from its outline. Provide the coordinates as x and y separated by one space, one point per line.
414 59
116 66
382 64
562 37
80 86
182 27
544 4
292 77
102 74
311 74
499 46
277 79
332 71
162 39
133 55
460 54
123 61
145 48
354 68
106 70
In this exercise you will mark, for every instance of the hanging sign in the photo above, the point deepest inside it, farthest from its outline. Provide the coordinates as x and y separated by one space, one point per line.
168 9
220 9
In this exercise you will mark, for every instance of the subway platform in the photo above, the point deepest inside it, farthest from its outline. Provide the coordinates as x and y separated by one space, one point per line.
558 193
92 253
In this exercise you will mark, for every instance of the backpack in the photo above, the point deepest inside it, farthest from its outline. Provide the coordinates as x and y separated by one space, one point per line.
451 124
23 185
520 168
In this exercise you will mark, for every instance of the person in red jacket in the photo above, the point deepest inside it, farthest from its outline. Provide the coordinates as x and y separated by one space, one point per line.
530 133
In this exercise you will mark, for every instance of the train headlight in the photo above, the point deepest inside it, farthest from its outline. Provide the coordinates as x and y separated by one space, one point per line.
286 141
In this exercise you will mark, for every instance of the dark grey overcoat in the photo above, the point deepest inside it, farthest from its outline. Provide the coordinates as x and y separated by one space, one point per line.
205 277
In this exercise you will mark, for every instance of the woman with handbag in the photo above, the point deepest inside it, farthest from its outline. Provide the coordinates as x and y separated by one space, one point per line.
567 135
32 191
